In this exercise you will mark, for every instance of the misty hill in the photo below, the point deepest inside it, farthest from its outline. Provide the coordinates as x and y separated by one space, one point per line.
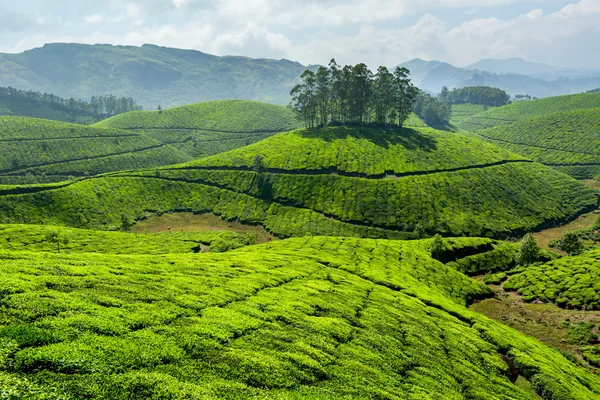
432 75
153 75
528 68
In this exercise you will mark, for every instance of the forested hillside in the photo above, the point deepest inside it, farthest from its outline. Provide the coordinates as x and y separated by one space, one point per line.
48 106
150 74
37 150
524 110
308 318
338 181
208 128
568 141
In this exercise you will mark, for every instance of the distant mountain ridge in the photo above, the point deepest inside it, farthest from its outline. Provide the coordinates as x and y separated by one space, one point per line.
150 74
433 75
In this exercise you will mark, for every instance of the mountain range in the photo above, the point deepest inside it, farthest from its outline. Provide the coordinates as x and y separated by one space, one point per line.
515 76
168 77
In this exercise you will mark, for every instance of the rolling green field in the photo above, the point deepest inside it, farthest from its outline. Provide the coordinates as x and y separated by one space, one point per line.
394 184
33 238
524 110
572 282
318 318
209 128
462 112
568 141
54 150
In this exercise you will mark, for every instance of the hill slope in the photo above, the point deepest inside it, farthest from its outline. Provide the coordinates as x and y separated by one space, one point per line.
569 141
153 75
59 149
524 110
318 318
208 128
337 181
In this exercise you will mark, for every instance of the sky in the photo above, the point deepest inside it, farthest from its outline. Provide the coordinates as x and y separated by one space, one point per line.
377 32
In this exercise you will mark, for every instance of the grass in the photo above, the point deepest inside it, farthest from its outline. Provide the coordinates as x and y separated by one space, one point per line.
213 127
568 141
546 236
525 110
33 238
318 318
340 182
188 222
546 322
35 147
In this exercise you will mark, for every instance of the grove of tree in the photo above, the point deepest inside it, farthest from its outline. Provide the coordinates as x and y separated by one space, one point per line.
353 94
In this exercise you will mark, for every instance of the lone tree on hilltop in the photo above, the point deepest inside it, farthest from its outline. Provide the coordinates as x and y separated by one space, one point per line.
437 247
57 237
571 243
529 251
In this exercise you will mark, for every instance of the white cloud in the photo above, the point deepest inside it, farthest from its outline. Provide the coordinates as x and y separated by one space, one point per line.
180 3
133 10
94 19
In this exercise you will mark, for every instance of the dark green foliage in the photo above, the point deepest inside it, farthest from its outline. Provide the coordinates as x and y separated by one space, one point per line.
316 318
525 110
48 106
432 111
353 95
570 282
437 247
529 251
591 354
570 243
484 95
568 141
581 333
501 258
35 149
209 128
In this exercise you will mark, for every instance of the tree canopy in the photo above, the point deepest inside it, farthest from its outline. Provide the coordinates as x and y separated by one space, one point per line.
484 95
353 94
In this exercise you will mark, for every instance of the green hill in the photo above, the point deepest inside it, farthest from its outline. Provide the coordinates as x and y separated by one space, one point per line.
569 282
569 141
339 181
209 128
36 147
34 238
313 318
150 74
462 112
524 110
23 107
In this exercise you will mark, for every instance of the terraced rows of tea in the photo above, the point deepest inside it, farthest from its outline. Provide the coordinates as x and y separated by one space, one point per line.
569 141
58 149
524 110
318 318
462 112
334 182
208 128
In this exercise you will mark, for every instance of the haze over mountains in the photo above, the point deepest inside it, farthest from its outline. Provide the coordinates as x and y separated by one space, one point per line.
515 76
169 77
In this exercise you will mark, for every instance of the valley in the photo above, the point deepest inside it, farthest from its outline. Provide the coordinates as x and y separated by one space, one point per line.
369 241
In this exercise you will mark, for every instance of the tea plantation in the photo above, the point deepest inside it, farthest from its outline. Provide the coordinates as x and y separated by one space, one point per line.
209 128
35 238
333 182
524 110
572 282
35 147
569 141
312 318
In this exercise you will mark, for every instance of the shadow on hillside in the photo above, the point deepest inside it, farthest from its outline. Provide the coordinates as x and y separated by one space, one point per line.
384 137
